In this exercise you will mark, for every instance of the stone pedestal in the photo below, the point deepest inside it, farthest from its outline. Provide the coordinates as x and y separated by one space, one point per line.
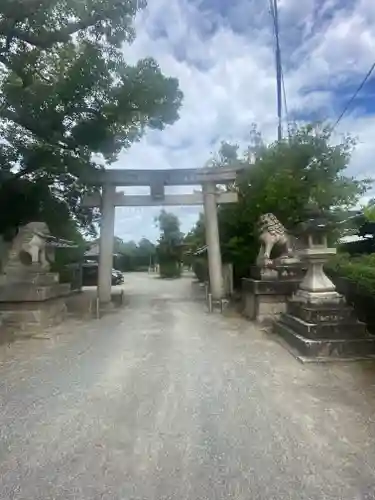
29 306
282 270
264 300
213 241
325 330
318 324
106 243
228 280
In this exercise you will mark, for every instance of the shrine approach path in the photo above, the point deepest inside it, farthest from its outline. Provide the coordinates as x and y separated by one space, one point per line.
162 400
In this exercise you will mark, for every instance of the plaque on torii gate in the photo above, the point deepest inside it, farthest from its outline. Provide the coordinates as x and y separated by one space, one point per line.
171 177
209 197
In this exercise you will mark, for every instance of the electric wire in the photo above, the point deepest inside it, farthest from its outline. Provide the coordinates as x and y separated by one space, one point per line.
349 103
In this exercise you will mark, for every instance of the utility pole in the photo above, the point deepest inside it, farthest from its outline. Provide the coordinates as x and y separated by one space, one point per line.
275 15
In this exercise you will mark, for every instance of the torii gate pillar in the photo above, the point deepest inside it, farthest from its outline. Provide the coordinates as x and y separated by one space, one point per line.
213 240
106 243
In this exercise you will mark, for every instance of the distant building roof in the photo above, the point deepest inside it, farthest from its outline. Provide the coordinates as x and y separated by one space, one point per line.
201 250
351 238
93 251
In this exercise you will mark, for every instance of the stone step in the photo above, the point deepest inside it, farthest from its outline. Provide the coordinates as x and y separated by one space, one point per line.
270 287
326 348
350 329
28 292
33 316
321 313
20 276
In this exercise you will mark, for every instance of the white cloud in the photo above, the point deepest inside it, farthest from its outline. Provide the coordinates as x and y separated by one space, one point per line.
224 60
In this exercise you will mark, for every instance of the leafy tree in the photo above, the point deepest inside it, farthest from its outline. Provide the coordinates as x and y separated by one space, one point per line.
281 178
193 240
146 252
169 226
68 99
169 249
133 256
369 211
360 223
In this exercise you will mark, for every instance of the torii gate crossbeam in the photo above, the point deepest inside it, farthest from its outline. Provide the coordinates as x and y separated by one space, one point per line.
210 197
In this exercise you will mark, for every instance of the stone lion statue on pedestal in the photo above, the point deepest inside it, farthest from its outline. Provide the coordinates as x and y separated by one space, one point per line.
28 249
272 232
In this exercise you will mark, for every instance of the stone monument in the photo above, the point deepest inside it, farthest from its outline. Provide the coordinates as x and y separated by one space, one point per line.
318 323
272 281
31 296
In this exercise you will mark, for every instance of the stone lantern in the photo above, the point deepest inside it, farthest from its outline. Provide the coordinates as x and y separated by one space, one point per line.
316 287
318 323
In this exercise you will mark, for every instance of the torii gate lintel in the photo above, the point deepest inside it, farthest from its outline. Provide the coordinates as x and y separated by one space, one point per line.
209 197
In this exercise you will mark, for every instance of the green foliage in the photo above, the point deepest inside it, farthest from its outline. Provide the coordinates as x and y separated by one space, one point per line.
170 269
200 269
169 249
33 201
67 96
355 279
369 211
133 256
169 226
281 178
64 256
195 238
359 270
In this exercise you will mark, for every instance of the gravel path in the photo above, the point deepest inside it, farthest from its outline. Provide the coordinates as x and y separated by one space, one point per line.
164 401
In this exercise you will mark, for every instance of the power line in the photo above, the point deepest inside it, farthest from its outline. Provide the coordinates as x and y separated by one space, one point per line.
285 103
348 104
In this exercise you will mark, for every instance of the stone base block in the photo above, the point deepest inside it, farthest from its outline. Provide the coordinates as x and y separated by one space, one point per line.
18 276
263 308
279 270
322 313
325 330
264 300
263 273
323 321
29 292
326 348
30 317
270 287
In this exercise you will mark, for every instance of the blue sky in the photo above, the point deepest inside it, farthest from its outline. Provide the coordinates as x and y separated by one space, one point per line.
221 51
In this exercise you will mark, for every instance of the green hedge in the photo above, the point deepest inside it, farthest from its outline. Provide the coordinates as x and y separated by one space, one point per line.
354 278
200 269
170 269
359 270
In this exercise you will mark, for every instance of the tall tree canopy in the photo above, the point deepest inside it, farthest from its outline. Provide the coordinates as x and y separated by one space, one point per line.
169 226
67 95
169 249
133 256
281 178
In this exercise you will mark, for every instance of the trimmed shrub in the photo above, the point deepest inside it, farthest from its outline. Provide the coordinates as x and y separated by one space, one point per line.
170 269
354 278
358 270
200 269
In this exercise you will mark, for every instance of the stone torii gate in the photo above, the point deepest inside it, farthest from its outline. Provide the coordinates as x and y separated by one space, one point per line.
210 197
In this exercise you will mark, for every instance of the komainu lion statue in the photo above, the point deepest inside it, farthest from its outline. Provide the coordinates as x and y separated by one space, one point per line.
28 248
272 232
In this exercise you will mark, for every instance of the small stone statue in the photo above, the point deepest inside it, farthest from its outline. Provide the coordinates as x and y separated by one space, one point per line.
28 249
271 232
